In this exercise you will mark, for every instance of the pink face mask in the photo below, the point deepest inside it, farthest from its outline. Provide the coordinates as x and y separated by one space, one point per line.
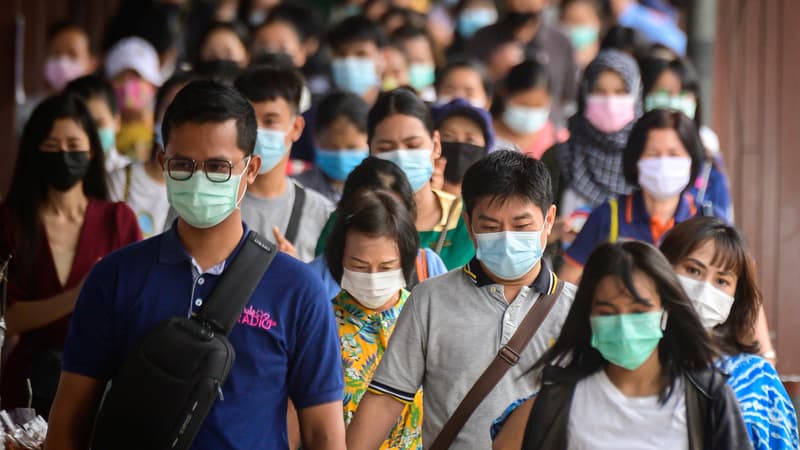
60 70
610 113
134 95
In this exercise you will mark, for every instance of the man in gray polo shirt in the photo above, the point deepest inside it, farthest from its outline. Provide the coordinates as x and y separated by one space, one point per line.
453 325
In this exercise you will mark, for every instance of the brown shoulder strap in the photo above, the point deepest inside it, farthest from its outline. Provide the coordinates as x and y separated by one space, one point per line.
506 358
127 190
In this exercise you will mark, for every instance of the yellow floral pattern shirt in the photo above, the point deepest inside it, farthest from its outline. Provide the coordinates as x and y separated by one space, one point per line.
364 335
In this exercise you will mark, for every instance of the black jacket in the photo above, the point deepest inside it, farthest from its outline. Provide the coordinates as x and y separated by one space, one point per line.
713 418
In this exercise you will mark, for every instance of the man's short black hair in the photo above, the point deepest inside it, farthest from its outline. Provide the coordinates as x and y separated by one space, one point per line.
206 101
306 21
90 87
268 83
342 104
505 174
278 60
220 71
356 29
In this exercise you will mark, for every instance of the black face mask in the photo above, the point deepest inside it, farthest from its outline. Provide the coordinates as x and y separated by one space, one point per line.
517 19
62 170
460 157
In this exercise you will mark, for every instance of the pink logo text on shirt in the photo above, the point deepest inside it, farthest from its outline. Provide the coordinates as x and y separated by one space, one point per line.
257 318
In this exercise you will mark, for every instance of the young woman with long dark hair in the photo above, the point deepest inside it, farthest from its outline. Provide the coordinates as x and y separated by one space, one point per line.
56 223
631 369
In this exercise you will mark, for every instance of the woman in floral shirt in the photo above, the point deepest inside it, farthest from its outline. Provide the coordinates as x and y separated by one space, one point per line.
372 252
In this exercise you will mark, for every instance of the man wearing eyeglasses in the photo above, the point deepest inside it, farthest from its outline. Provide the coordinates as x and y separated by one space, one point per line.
285 341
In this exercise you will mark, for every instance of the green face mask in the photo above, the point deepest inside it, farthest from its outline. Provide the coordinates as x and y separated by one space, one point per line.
582 36
420 76
108 138
201 202
627 340
683 103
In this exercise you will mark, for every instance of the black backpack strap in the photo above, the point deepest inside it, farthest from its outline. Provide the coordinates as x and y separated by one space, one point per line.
238 282
297 211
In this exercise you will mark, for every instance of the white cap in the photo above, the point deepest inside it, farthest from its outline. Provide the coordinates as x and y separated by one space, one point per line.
136 54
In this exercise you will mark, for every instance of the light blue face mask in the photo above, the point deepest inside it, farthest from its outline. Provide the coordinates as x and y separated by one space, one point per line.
472 20
683 103
416 164
421 76
525 120
356 75
271 147
202 203
509 255
582 36
338 164
108 138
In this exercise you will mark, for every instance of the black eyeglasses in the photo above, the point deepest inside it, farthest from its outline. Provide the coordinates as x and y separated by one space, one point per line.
216 170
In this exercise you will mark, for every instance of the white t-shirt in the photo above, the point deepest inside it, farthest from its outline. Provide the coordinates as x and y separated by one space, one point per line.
115 160
146 197
603 418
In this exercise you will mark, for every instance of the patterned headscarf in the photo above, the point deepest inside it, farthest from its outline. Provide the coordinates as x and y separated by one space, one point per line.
591 161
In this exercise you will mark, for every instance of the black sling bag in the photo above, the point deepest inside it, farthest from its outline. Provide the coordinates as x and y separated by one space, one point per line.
169 382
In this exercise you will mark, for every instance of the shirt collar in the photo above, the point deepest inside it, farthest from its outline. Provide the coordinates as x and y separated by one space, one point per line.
172 251
542 284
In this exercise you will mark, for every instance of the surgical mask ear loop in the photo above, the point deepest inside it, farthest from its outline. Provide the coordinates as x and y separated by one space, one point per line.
239 200
664 319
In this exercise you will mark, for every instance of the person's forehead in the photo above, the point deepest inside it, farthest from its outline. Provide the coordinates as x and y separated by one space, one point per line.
339 131
379 245
579 10
463 75
400 126
98 105
277 30
223 37
609 77
460 123
358 45
205 140
342 125
612 288
668 79
70 37
496 207
66 127
278 105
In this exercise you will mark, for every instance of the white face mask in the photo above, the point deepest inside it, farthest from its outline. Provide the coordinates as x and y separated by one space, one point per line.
712 305
373 290
664 177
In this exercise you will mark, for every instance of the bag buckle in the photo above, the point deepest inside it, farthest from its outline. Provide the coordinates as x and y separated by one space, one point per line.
509 355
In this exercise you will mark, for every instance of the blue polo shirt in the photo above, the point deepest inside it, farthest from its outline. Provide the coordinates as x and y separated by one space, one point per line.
286 340
634 224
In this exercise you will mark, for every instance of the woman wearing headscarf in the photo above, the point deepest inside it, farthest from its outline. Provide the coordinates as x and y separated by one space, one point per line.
587 169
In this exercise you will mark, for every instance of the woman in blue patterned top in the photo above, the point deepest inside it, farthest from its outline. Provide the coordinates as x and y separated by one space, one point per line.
717 272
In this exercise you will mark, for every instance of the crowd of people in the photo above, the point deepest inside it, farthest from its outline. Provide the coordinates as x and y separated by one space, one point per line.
439 177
